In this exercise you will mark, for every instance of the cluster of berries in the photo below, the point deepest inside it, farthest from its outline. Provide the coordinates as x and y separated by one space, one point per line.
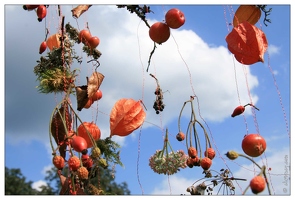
158 104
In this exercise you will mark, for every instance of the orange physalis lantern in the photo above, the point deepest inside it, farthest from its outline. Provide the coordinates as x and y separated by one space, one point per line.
249 13
126 116
53 41
247 42
93 130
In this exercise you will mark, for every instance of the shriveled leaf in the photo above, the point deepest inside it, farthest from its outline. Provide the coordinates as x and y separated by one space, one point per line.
82 97
126 116
58 130
93 83
79 10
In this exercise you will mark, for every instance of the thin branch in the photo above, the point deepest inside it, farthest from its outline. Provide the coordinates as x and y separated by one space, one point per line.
151 54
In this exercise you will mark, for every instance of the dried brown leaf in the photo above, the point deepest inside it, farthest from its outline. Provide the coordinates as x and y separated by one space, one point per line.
82 97
79 10
94 83
58 130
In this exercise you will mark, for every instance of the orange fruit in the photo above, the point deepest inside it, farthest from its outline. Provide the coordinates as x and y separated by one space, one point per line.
257 184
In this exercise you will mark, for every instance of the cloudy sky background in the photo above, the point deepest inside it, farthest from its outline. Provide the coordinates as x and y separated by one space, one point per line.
194 61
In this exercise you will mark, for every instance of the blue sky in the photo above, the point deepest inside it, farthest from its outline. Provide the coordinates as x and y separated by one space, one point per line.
194 60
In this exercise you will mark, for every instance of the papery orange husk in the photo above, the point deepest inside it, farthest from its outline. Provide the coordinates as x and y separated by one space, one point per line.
248 43
126 116
53 41
249 13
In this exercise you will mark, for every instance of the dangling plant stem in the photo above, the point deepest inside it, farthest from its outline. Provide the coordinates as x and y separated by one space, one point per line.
89 134
151 54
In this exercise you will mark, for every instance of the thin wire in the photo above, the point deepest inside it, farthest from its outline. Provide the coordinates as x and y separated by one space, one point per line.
251 101
168 177
142 97
143 71
279 95
137 163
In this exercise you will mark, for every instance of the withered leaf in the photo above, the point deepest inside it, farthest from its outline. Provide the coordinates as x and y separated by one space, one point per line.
94 83
79 10
58 130
82 97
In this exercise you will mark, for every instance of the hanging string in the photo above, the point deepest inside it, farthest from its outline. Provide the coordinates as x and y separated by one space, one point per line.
279 95
137 162
142 98
169 184
143 71
251 101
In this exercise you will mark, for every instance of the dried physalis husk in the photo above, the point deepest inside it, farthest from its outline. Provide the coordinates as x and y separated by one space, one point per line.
79 10
93 83
82 97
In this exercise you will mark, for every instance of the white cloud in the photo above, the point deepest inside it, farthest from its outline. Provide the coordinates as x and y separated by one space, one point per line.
46 168
36 185
272 49
174 185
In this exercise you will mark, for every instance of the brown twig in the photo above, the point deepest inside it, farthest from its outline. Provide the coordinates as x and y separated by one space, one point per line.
151 54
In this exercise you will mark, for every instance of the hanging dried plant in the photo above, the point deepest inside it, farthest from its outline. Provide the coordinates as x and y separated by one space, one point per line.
58 127
93 83
82 97
79 10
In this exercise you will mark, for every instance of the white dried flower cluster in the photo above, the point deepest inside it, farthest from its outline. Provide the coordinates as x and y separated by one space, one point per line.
168 164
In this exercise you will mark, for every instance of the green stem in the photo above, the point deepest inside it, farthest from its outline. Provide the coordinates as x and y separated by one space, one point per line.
50 134
89 134
166 142
247 157
190 134
205 133
179 130
268 186
198 142
170 147
64 124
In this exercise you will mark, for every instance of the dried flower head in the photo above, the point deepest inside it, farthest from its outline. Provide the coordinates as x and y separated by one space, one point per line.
169 163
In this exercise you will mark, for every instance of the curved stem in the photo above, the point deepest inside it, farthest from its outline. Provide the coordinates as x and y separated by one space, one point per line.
179 130
264 174
89 134
205 133
247 157
190 135
50 134
170 147
186 137
56 110
198 142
